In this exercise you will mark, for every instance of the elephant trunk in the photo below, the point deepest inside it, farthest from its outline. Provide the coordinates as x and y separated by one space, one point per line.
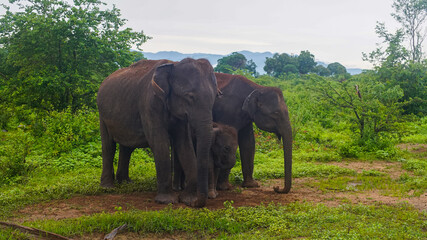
204 141
286 133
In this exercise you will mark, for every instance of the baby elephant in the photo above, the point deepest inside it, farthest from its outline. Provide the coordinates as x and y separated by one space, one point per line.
222 154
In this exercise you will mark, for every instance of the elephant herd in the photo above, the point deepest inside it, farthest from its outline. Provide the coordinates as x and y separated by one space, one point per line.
193 120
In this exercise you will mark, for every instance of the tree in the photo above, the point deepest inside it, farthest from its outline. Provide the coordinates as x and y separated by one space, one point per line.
62 50
233 62
411 14
322 71
397 65
371 105
336 68
280 64
284 63
306 62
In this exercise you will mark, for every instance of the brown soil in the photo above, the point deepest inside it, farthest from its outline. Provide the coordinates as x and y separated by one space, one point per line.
301 192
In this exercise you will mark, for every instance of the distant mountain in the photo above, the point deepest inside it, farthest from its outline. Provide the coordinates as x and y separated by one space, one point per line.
257 57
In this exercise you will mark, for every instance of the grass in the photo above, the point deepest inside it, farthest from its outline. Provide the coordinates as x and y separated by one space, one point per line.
295 220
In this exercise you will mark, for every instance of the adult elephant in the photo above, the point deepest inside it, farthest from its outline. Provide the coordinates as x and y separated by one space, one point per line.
151 103
242 103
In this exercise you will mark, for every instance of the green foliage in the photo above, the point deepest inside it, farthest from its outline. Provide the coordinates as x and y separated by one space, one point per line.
235 61
65 131
61 51
322 71
14 150
336 68
372 106
306 62
411 14
412 78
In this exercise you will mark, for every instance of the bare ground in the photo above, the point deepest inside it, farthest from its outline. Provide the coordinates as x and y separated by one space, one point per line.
301 192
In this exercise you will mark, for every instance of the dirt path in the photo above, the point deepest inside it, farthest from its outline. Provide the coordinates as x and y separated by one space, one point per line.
301 192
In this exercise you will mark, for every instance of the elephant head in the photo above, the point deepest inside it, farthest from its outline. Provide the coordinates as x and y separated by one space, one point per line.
224 146
266 107
188 88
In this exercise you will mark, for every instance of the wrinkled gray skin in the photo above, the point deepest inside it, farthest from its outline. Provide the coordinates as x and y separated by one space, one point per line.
242 103
151 103
223 157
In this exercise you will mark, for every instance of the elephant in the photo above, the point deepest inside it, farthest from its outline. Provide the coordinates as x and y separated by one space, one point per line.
150 104
243 103
223 158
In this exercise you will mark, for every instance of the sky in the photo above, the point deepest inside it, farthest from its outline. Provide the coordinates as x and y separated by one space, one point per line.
332 30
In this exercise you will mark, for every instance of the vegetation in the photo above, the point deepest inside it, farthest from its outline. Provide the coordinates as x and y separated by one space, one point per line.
55 53
50 145
236 61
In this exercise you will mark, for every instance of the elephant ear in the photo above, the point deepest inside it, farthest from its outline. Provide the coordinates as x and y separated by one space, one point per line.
160 81
251 102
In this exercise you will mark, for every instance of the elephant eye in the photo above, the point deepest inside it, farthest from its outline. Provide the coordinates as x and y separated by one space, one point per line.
227 149
190 96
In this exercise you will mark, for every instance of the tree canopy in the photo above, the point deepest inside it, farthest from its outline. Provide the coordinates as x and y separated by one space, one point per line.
284 63
235 61
59 51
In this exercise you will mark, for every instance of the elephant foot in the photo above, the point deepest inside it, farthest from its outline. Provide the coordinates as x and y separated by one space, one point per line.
121 180
107 184
212 194
250 184
192 200
224 186
188 198
166 198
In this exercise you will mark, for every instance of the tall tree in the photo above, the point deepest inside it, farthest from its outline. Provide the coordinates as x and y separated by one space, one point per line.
412 14
63 49
306 62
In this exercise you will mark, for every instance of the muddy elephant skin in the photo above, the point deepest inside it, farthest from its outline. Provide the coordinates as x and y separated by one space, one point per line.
148 104
243 103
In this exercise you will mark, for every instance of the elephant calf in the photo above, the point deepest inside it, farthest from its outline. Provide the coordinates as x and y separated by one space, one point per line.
223 157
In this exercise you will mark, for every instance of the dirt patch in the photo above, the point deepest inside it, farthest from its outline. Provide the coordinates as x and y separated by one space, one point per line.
88 205
417 148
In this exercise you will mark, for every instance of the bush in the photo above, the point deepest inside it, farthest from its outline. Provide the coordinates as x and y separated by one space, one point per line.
14 150
65 131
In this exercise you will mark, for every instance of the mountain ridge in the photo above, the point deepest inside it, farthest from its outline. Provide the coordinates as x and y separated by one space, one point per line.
257 57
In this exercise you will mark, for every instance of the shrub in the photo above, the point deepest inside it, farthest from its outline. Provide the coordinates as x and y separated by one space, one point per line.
14 150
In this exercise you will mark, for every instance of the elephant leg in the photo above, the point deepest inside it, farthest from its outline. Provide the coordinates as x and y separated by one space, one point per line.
178 172
108 151
123 166
160 148
222 180
183 146
247 153
213 174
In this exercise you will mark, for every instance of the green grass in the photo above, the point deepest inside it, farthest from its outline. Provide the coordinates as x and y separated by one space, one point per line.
295 220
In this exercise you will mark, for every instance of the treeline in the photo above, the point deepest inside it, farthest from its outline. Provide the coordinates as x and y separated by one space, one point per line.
279 65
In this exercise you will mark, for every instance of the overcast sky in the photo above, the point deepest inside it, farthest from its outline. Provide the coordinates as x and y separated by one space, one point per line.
332 30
